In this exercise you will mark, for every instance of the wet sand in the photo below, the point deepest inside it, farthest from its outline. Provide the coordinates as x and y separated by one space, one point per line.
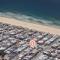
30 25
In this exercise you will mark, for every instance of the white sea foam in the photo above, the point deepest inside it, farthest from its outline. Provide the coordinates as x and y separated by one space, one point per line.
27 18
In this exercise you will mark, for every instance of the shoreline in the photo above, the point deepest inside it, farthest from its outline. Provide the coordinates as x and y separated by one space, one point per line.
34 26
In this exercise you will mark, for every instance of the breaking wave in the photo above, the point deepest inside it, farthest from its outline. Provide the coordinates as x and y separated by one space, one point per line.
23 17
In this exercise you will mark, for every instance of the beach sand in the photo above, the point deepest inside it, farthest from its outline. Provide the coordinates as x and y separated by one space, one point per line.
30 25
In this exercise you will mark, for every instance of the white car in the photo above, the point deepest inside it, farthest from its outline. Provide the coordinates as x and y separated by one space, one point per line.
43 57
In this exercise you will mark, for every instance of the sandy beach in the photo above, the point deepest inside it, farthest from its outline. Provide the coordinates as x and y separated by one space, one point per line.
30 25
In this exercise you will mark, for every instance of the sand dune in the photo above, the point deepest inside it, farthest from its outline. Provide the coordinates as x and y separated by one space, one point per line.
29 25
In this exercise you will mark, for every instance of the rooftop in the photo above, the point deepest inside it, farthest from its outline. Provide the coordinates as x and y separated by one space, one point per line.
14 42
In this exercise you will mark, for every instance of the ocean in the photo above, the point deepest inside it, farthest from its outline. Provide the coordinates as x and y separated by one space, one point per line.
41 11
